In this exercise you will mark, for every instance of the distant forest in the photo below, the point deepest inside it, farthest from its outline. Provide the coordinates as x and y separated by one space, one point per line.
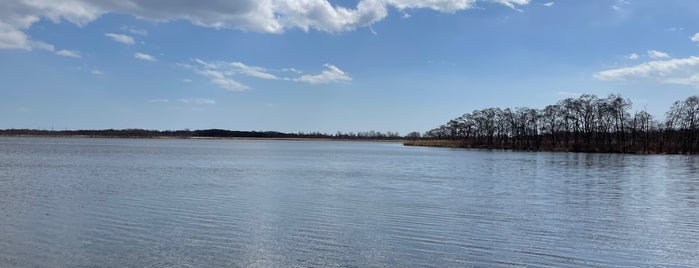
205 133
584 124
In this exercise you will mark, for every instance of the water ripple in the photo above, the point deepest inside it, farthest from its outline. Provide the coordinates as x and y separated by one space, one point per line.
184 203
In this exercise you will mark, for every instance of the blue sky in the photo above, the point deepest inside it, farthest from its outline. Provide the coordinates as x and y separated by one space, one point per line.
314 65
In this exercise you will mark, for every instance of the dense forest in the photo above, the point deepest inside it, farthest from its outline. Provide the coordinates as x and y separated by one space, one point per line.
584 124
205 133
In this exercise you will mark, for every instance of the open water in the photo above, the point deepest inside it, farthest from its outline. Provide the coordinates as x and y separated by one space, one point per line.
223 203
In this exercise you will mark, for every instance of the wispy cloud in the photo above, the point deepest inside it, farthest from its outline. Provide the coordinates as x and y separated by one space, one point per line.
549 4
41 45
672 71
217 74
134 30
253 71
654 54
13 39
633 56
695 37
69 53
121 38
292 70
97 72
142 56
329 75
222 74
229 84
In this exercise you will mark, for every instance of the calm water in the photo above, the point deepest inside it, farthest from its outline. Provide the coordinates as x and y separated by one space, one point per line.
192 203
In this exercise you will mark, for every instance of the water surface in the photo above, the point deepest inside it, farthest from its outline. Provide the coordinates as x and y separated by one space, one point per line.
220 203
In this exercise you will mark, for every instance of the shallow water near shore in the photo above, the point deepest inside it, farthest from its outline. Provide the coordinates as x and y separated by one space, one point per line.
220 203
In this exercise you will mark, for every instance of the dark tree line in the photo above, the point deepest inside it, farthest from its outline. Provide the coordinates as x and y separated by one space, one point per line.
584 124
204 133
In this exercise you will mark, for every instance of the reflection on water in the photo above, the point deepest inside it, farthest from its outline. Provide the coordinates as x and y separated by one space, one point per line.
190 203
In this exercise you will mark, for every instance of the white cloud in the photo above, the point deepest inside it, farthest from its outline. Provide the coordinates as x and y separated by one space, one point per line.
121 38
672 71
269 16
654 54
330 75
18 15
187 80
549 4
69 53
253 71
695 38
222 74
11 37
97 72
633 56
142 56
229 84
450 6
512 3
218 74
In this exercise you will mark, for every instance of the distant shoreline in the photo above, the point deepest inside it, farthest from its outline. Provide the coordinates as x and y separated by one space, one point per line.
197 138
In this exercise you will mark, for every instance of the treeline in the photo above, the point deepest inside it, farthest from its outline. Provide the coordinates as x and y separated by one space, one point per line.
584 124
205 133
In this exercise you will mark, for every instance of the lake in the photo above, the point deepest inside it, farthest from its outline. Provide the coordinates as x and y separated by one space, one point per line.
264 203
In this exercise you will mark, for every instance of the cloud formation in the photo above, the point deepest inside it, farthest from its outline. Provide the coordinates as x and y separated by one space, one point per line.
268 16
654 54
222 74
695 38
216 74
121 38
69 53
672 71
329 75
253 71
633 56
142 56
